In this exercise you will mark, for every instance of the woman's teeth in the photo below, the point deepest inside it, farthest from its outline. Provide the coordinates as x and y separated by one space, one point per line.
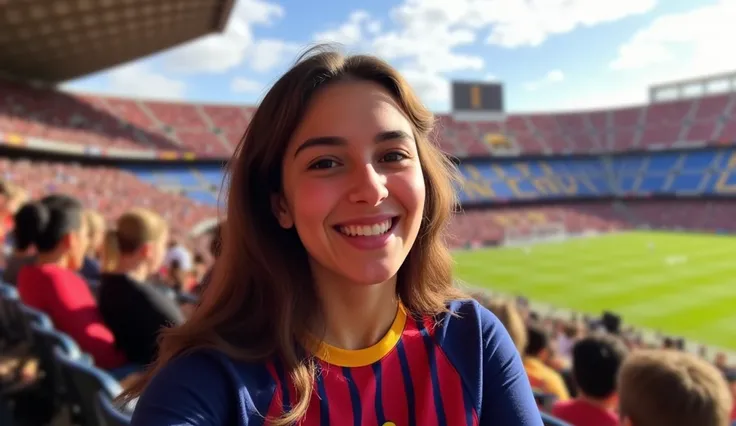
366 230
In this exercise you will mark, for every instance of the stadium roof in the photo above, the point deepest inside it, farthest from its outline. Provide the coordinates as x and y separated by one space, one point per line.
59 40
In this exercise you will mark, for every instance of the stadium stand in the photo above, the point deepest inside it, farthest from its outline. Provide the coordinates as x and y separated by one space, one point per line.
102 122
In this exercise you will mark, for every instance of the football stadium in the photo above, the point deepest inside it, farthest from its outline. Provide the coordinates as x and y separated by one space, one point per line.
620 218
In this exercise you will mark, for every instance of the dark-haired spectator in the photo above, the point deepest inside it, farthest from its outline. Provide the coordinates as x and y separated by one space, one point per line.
28 220
596 361
542 378
133 309
53 286
672 388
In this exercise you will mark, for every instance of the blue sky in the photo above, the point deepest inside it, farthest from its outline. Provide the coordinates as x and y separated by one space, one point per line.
549 54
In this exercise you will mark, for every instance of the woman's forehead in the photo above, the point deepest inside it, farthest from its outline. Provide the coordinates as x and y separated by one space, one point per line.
350 110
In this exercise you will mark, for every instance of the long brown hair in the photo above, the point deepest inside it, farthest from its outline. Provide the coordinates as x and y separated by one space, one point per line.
261 295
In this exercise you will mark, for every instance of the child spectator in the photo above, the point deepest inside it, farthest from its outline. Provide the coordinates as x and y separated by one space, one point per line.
596 361
543 378
672 388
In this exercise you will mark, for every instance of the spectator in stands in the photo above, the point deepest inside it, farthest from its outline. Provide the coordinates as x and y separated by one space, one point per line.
132 308
11 198
91 269
596 360
28 221
53 286
110 252
542 378
335 251
672 388
731 380
215 245
178 252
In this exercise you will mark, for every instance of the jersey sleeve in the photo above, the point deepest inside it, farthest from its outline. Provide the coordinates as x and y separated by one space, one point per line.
507 394
191 390
482 352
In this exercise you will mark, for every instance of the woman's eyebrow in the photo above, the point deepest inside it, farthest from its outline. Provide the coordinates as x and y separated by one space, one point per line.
340 141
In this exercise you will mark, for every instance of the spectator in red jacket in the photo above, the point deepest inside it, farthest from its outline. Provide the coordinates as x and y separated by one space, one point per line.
53 287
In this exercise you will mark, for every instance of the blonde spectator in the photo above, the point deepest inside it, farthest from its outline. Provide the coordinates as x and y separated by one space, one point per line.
672 388
91 268
140 245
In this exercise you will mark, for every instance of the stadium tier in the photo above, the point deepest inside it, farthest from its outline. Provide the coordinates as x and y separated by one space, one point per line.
105 123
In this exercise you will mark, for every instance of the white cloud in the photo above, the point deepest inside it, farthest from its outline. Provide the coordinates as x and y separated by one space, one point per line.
491 77
236 45
353 31
695 41
245 85
426 38
270 53
136 80
517 23
552 77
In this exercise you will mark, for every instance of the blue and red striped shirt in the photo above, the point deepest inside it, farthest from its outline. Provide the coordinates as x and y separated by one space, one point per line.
461 370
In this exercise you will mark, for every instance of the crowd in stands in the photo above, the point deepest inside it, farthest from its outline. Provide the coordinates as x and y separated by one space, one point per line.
214 130
592 372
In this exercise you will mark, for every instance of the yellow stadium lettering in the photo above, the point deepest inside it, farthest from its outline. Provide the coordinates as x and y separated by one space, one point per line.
570 187
722 186
546 186
476 186
389 424
475 98
518 192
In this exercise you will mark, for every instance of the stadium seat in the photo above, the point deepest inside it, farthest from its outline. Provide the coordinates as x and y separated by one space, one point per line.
85 382
548 420
45 341
11 316
34 316
109 415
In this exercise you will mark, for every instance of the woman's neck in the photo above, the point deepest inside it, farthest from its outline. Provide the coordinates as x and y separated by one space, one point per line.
355 316
61 260
133 268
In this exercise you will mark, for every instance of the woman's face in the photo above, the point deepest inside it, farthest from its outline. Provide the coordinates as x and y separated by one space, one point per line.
353 184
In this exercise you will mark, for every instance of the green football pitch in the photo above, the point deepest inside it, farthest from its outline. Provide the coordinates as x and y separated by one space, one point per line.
678 284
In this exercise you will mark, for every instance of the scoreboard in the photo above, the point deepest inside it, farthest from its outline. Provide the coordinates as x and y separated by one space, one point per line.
477 97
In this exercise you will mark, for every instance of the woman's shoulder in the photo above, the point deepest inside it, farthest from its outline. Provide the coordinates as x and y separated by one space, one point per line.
205 382
468 329
468 315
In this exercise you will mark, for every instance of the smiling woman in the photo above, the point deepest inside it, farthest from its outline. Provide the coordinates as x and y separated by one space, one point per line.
332 302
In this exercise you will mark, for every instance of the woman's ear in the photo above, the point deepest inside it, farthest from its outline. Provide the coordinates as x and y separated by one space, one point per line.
281 210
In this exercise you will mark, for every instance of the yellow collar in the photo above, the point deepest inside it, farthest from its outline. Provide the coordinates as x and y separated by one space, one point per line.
362 357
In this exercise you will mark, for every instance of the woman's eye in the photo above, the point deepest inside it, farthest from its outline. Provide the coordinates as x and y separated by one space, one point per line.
393 156
323 164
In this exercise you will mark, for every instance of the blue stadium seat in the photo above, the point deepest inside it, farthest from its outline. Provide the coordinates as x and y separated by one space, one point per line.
11 316
45 341
34 316
548 420
109 414
85 381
